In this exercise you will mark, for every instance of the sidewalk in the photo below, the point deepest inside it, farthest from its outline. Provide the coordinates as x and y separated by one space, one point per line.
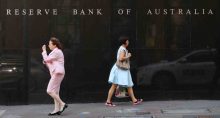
149 109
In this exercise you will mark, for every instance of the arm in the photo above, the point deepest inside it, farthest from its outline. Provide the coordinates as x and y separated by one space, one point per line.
46 58
50 58
123 56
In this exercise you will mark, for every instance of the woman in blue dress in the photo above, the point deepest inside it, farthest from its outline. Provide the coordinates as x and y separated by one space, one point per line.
121 77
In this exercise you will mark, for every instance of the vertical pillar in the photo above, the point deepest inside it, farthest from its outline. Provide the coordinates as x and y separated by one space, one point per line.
26 62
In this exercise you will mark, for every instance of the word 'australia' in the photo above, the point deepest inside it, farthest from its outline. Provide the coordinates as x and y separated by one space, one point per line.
83 12
179 12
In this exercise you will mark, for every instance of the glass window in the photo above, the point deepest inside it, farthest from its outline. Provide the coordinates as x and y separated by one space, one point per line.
201 57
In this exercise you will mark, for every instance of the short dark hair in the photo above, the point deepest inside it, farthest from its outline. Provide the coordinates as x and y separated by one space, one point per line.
56 42
123 39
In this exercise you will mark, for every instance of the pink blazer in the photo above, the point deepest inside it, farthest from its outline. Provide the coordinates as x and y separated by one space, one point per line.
54 61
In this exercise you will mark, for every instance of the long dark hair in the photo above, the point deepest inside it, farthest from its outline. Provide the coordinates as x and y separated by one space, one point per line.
56 42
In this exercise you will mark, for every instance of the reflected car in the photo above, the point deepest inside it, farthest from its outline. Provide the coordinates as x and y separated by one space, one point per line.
11 71
197 67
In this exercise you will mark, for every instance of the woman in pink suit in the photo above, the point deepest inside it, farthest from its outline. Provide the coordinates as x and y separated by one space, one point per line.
55 63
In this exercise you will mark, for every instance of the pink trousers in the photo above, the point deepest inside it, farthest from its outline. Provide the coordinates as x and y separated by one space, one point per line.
55 82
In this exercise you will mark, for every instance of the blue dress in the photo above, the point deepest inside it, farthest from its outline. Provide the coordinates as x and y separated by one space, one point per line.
119 76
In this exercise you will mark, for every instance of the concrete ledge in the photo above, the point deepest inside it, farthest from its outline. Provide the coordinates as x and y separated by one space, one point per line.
184 111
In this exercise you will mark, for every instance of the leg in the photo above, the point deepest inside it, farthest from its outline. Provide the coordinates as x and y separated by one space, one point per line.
134 100
57 99
110 92
56 106
131 94
53 90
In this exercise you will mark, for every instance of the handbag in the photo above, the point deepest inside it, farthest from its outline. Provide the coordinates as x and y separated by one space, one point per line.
121 92
124 65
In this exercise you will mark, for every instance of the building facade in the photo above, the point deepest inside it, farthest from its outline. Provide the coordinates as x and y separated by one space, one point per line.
90 41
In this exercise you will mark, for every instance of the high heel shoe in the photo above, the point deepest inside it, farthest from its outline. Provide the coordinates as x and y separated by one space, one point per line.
64 107
53 114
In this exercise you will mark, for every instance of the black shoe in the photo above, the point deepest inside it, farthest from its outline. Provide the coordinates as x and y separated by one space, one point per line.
64 107
53 114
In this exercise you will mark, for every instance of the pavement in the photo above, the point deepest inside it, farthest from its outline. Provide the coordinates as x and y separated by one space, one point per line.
148 109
